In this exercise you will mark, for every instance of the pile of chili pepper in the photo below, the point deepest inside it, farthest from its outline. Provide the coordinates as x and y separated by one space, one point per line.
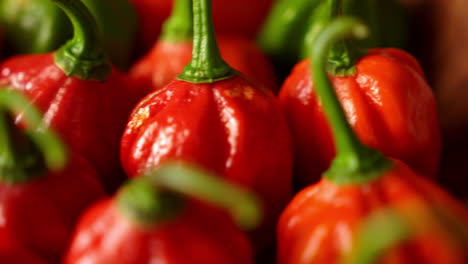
219 132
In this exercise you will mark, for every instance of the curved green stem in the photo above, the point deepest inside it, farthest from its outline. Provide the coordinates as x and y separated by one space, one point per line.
179 26
206 66
17 167
82 56
183 179
354 162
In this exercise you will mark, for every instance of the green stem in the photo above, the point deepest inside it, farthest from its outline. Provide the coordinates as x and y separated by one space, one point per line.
206 66
83 56
343 55
179 26
182 179
17 166
354 162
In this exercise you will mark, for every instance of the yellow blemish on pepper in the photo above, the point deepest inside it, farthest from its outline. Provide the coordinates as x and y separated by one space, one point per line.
245 91
138 118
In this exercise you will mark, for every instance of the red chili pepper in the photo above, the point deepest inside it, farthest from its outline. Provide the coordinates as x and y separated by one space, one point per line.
234 17
320 223
41 195
216 118
82 96
149 221
387 100
173 51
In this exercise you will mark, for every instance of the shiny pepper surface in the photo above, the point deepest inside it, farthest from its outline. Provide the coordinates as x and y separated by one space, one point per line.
82 96
90 115
217 118
229 126
169 228
320 223
388 103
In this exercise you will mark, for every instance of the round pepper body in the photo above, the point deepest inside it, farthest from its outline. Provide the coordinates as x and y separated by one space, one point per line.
198 235
39 26
321 222
229 127
230 17
89 115
388 103
38 216
167 59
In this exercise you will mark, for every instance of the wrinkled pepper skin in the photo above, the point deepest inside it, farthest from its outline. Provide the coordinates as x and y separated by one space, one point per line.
233 129
39 26
387 21
326 215
388 103
199 235
38 217
89 115
241 17
167 59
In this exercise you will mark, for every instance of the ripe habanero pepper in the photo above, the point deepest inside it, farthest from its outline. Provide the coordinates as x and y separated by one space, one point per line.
84 98
39 26
151 220
41 193
232 17
173 51
386 98
307 17
217 118
319 225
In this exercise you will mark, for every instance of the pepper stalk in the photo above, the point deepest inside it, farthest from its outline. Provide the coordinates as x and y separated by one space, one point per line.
354 162
159 195
207 65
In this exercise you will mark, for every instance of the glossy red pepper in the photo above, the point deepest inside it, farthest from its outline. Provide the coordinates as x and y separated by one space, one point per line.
146 222
234 17
321 223
387 100
41 195
173 51
82 96
219 119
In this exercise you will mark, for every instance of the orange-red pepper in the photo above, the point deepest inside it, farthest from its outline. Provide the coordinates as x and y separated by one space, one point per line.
387 101
155 219
219 119
321 223
85 99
